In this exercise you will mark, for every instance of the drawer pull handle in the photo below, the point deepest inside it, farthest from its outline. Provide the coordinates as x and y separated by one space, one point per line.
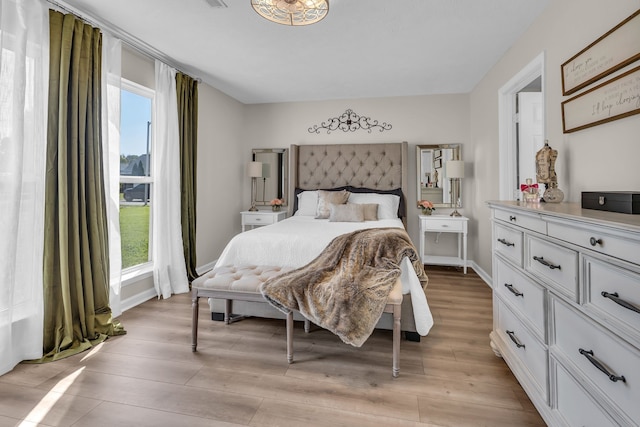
615 298
504 242
514 290
595 362
512 218
595 241
544 262
515 340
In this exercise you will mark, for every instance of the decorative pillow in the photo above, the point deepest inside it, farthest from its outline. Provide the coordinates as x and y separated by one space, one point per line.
350 212
370 211
307 203
327 198
387 203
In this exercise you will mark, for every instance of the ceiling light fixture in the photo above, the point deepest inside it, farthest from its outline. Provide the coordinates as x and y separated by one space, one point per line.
292 12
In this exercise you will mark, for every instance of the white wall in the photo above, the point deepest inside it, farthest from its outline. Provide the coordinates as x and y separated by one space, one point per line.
222 190
436 119
599 158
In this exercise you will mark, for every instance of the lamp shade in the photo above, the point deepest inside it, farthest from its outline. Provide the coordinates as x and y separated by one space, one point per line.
454 169
254 169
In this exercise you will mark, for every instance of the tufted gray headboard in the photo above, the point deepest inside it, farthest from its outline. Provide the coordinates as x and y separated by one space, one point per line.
374 166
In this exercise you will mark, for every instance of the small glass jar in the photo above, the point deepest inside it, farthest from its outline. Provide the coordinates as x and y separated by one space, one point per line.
553 194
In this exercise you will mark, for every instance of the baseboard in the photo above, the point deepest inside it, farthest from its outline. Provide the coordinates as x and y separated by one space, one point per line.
138 299
204 268
480 272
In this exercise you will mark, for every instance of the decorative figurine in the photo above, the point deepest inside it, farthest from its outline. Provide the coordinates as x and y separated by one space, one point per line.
546 173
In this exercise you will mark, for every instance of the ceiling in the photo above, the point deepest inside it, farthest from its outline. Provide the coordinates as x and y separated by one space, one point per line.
362 49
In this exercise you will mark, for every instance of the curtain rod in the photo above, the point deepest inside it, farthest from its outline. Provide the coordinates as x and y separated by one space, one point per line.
127 38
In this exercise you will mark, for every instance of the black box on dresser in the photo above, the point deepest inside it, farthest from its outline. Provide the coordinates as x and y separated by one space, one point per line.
613 201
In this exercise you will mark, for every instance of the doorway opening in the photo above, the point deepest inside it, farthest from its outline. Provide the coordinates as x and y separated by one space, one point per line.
522 129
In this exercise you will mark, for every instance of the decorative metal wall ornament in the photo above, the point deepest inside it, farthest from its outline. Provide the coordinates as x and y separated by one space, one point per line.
350 121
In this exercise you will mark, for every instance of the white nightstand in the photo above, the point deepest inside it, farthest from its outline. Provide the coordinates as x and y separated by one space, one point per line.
445 224
258 218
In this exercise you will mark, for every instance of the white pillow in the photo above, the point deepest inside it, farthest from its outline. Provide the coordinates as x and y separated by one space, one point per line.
387 203
307 203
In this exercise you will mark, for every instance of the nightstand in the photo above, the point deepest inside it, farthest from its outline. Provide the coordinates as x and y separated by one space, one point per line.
258 218
445 224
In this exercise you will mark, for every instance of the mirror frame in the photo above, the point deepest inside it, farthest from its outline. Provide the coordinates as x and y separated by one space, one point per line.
457 155
284 172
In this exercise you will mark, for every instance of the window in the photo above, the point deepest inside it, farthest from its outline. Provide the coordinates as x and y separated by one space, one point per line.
136 175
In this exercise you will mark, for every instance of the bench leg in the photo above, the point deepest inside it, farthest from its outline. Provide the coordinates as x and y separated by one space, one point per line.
396 339
290 337
195 308
227 311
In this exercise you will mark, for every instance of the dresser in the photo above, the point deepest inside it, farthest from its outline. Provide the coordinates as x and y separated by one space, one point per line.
445 224
258 218
566 309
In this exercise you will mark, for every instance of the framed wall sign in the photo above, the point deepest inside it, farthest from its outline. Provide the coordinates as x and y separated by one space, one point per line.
611 100
617 48
437 163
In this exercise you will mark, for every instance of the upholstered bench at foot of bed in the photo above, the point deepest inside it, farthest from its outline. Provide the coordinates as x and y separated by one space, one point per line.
243 283
235 283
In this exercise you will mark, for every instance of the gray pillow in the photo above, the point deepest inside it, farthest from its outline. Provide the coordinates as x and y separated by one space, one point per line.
327 198
350 212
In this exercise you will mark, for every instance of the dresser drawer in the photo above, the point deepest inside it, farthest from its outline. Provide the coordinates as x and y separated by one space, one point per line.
258 219
530 222
556 265
443 225
508 243
585 344
599 239
613 294
522 295
530 352
574 404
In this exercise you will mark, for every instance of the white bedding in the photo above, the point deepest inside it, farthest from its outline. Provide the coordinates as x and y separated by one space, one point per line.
298 240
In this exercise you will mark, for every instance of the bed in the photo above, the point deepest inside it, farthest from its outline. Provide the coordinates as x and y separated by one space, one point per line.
370 174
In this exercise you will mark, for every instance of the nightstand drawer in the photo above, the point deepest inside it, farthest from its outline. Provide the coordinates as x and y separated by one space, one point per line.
258 219
442 225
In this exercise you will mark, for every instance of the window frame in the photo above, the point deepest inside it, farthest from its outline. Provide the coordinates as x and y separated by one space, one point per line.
130 274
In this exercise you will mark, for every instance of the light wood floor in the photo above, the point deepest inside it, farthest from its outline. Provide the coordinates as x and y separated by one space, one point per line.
239 376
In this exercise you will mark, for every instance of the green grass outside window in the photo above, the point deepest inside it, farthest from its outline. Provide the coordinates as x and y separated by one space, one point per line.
134 235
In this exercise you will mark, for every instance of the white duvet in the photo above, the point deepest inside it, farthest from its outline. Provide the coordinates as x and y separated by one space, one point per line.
297 240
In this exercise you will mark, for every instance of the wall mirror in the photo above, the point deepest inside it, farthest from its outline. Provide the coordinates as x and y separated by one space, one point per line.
432 183
274 182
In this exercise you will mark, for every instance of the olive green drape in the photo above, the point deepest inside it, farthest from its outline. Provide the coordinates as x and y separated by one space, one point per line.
187 91
76 265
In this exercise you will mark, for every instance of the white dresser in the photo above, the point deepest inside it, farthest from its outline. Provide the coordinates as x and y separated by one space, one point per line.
566 305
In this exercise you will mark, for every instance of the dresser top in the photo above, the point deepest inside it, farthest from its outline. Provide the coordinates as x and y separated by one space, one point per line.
574 211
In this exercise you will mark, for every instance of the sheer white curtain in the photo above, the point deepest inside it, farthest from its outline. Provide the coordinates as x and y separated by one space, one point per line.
111 85
169 271
24 69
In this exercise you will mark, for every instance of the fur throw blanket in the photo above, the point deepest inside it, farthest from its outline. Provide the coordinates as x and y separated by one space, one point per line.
345 288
